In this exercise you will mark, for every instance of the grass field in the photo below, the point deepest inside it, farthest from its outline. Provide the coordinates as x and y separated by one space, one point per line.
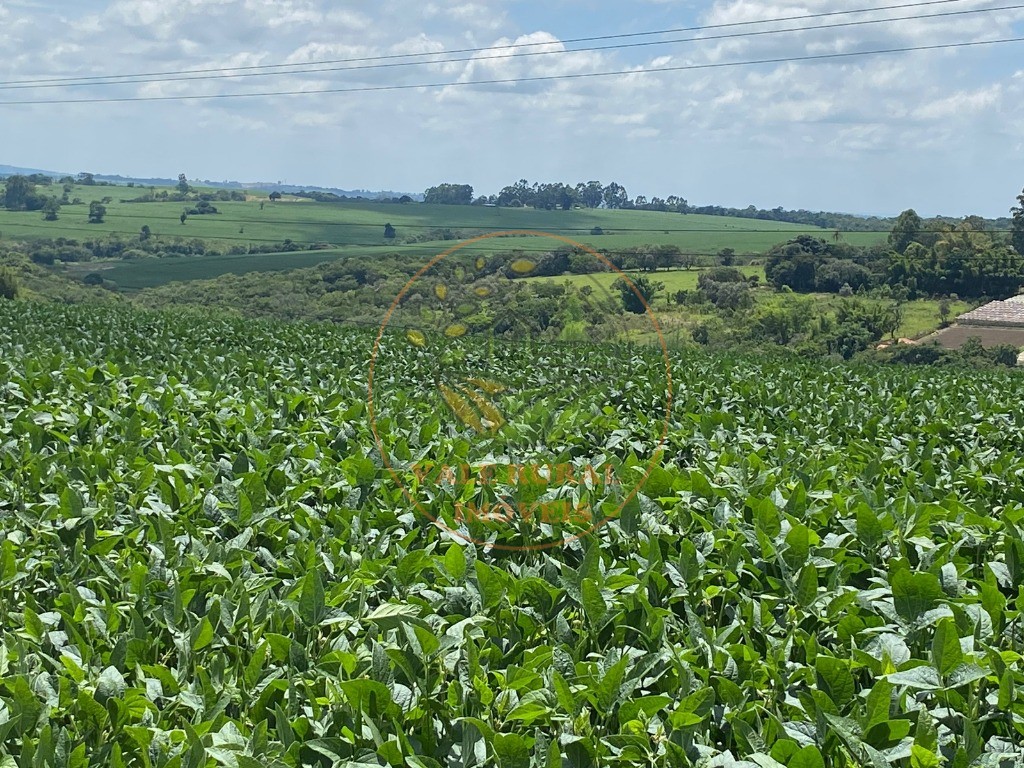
357 229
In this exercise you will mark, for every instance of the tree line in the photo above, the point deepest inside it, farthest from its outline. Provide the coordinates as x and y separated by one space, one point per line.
594 194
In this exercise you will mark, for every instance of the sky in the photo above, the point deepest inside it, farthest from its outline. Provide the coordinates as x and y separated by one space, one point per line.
938 131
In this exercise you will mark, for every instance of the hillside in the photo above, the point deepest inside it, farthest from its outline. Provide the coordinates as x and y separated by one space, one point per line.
357 228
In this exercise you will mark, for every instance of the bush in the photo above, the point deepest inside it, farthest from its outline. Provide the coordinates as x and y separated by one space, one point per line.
93 278
1004 354
8 284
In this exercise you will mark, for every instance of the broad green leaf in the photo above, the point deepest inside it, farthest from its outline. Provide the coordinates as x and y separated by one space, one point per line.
312 606
920 677
807 757
203 635
807 586
798 546
914 593
835 679
946 652
110 684
455 562
512 750
593 602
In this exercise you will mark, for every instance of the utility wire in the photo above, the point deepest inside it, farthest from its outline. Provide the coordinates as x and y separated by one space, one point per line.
321 69
568 41
516 80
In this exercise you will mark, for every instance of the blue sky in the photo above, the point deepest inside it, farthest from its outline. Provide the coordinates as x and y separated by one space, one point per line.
938 131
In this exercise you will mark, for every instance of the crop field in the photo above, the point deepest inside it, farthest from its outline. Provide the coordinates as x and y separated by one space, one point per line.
210 554
357 229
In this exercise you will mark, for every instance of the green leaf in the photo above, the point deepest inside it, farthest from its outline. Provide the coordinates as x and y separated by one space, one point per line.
564 694
869 528
914 593
923 758
594 604
33 624
610 686
528 711
808 757
512 750
965 674
367 696
807 586
835 679
455 562
203 635
393 615
110 684
886 735
798 546
646 705
946 652
254 669
490 584
312 605
923 677
878 704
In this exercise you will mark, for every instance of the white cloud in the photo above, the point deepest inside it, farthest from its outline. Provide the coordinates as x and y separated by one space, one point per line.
726 134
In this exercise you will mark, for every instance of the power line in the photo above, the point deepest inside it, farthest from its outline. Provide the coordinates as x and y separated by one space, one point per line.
569 41
185 77
516 80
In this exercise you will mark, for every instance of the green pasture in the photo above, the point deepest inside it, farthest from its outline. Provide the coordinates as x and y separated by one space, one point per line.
362 224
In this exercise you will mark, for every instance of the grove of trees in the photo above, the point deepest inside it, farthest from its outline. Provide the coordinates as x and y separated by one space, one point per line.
449 194
923 259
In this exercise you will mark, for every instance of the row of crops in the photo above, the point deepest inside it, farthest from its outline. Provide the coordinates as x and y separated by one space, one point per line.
205 559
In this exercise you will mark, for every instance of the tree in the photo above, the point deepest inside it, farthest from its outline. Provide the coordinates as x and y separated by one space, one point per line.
944 311
97 211
389 231
1017 232
590 194
183 186
615 196
905 231
726 257
183 217
16 192
51 208
145 233
86 179
628 292
449 194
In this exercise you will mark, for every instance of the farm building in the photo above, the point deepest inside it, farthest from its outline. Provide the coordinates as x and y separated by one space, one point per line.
998 322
